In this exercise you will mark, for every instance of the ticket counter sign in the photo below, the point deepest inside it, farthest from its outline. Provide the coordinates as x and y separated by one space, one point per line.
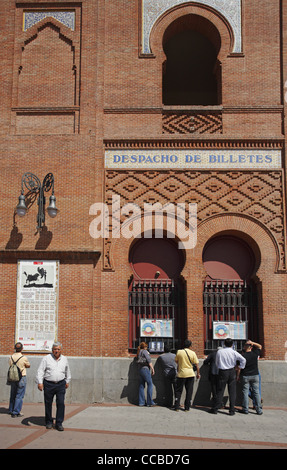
194 160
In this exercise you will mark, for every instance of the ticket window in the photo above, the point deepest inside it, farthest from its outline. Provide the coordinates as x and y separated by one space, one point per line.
229 292
156 295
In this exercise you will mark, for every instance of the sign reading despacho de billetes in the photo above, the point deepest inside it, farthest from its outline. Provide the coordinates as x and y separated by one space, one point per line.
193 160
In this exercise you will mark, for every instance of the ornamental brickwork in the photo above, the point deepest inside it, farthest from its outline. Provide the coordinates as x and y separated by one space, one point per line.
85 81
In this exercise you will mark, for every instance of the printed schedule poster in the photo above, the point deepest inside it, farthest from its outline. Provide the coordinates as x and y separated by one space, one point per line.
233 330
37 304
156 328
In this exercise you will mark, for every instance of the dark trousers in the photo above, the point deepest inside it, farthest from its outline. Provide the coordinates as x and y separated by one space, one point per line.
171 388
226 377
188 384
50 390
214 383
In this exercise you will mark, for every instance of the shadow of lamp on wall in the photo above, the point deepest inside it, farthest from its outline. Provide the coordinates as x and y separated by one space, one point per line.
16 237
36 190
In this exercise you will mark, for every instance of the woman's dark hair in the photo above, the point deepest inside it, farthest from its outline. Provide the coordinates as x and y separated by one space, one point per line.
141 346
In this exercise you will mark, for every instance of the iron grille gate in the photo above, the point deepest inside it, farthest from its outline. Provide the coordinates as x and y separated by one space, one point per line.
229 301
152 299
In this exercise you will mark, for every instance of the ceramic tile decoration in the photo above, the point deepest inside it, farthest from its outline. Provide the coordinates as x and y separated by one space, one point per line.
30 18
152 10
194 160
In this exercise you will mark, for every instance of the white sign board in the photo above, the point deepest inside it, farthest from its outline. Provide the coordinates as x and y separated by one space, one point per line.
156 328
37 304
233 330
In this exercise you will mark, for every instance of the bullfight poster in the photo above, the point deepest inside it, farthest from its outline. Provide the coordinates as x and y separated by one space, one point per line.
37 304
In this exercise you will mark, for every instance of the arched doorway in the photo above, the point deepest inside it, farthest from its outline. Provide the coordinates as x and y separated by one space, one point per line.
230 294
191 72
156 294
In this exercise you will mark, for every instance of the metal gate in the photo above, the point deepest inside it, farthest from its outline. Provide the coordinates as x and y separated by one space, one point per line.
155 300
234 301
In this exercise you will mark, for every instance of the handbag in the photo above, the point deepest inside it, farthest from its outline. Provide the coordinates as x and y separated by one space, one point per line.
141 359
192 365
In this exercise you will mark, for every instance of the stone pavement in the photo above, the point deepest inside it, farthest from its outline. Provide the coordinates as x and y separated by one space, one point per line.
106 426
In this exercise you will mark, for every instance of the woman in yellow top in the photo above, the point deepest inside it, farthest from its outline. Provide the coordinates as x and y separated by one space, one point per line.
185 359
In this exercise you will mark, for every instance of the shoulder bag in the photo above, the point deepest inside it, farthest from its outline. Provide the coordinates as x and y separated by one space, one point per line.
192 365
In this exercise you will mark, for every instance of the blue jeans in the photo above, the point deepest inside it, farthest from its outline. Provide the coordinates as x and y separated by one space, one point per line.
145 377
251 381
17 394
251 392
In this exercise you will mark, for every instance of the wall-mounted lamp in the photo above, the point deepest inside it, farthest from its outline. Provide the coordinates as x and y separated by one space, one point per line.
33 184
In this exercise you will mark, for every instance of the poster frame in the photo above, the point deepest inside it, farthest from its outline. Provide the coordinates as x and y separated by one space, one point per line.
155 322
20 289
228 325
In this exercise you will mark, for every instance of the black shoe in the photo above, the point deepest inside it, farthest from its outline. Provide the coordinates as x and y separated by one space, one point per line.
49 426
59 428
213 411
231 413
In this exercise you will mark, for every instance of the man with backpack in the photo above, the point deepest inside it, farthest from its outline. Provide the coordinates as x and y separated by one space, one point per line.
18 384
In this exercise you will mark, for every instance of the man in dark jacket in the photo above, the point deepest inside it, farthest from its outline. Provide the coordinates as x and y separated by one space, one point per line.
169 366
213 374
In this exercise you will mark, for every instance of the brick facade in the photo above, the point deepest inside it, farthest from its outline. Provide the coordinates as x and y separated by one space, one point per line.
70 92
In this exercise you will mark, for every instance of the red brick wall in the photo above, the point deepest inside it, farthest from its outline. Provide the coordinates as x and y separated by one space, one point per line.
57 115
46 77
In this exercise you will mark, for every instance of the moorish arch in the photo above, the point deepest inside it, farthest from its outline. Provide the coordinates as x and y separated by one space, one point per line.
233 264
156 21
191 71
180 39
152 278
47 52
250 229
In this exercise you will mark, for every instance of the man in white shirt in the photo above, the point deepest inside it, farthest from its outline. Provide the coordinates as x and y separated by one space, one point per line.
226 360
53 377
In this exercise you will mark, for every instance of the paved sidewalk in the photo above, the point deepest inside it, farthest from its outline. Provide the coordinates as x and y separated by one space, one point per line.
132 427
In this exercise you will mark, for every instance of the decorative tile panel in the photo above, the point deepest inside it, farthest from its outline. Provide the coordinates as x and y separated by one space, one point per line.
31 18
189 123
256 194
153 9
